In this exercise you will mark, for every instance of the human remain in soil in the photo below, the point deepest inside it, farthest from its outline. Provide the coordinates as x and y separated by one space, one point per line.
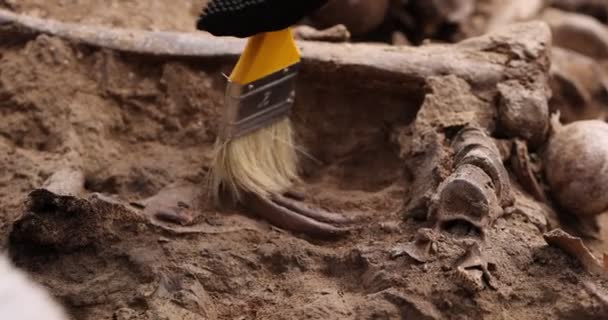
283 210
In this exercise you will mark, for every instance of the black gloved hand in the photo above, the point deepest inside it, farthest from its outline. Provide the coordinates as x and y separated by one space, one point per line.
244 18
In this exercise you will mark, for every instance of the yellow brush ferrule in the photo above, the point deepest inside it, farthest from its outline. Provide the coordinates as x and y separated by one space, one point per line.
265 54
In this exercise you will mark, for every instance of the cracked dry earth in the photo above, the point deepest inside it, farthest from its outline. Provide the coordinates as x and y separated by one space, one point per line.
114 128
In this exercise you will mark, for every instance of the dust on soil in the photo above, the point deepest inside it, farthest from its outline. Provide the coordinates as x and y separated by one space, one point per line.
150 15
134 125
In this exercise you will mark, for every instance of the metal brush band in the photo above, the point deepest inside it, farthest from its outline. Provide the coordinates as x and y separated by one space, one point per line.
258 104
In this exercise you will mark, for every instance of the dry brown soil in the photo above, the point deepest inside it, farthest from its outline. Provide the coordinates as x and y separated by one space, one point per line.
134 125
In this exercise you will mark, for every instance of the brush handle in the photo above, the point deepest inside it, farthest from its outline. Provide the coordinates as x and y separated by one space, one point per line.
261 87
265 54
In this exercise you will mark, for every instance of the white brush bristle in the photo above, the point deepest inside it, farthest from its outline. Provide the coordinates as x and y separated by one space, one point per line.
262 162
23 299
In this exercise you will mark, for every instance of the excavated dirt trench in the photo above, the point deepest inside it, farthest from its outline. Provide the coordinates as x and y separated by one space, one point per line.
134 125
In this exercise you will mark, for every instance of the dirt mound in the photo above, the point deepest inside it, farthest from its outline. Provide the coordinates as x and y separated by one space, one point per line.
149 15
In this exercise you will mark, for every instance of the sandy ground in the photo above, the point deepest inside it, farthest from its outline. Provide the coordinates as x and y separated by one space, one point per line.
136 125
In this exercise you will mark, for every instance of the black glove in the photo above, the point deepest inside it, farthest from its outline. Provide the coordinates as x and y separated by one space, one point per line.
244 18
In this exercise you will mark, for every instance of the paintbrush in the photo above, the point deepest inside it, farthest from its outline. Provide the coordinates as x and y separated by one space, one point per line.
255 152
